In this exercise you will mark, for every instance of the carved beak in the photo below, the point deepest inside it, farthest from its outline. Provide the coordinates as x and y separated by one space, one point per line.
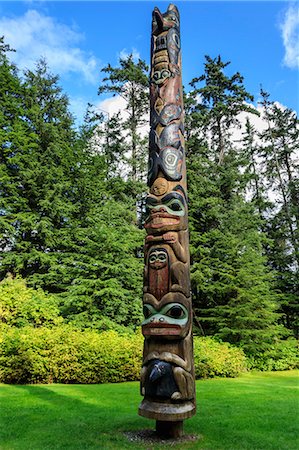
159 18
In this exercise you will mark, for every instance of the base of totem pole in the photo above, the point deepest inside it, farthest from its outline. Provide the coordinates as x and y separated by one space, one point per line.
169 430
166 412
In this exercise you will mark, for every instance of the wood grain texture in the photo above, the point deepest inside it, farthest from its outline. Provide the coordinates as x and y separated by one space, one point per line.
167 376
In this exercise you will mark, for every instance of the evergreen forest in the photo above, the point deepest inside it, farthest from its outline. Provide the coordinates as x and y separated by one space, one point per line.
72 209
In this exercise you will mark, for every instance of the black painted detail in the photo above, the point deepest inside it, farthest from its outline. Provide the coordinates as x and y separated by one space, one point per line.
159 380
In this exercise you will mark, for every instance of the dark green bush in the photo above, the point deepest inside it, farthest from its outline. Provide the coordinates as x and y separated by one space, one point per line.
283 355
65 355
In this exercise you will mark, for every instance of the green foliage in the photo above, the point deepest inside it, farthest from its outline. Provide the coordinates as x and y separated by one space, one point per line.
36 168
212 358
64 354
68 222
282 355
21 306
278 156
104 272
233 295
130 81
222 99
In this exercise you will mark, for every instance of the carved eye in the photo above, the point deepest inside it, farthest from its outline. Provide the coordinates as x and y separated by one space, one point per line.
176 40
176 312
165 73
146 311
175 205
171 159
152 258
162 257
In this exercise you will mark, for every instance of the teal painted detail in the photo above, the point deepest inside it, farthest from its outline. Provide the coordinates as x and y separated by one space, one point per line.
172 313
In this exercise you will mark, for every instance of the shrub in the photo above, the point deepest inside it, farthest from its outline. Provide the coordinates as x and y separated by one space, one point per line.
212 358
63 354
21 305
283 355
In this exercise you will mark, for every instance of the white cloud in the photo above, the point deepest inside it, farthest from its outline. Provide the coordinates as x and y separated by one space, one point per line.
290 35
113 105
117 104
124 54
36 35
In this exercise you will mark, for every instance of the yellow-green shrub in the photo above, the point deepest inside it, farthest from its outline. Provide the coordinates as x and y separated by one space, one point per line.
282 355
21 305
212 358
63 354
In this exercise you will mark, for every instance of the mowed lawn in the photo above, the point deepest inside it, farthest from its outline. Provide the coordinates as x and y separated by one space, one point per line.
254 412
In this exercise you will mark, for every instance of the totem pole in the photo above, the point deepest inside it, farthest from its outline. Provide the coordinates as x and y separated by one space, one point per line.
167 375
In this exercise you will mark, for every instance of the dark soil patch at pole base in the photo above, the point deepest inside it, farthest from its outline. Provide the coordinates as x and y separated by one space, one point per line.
148 436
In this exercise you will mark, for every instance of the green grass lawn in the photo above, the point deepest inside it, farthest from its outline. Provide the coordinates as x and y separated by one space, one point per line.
256 411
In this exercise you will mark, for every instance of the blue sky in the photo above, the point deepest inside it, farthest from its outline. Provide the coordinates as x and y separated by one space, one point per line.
79 38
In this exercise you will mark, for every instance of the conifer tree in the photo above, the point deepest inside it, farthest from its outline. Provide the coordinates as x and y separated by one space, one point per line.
130 81
279 150
42 174
229 274
222 98
17 140
104 268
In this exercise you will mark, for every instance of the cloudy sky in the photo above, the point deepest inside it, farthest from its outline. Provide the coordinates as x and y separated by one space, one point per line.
261 39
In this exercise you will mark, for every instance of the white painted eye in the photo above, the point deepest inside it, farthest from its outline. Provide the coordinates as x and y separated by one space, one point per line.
165 73
152 258
162 257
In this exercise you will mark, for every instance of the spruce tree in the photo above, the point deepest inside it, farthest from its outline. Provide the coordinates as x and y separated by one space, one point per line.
232 294
130 81
278 152
104 267
222 98
17 140
42 174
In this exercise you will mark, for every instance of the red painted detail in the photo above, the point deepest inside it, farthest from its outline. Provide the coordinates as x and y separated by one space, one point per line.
158 281
160 329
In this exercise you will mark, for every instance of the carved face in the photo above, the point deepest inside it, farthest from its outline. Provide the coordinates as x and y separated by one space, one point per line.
159 76
166 153
163 22
158 258
166 44
158 272
170 320
166 214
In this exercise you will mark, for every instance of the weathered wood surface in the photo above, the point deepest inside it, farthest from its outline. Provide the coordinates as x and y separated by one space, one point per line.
167 376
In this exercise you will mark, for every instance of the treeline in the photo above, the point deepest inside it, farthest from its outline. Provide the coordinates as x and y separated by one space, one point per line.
72 204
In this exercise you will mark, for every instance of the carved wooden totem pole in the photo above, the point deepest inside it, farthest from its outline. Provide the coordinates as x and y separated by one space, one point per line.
167 376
